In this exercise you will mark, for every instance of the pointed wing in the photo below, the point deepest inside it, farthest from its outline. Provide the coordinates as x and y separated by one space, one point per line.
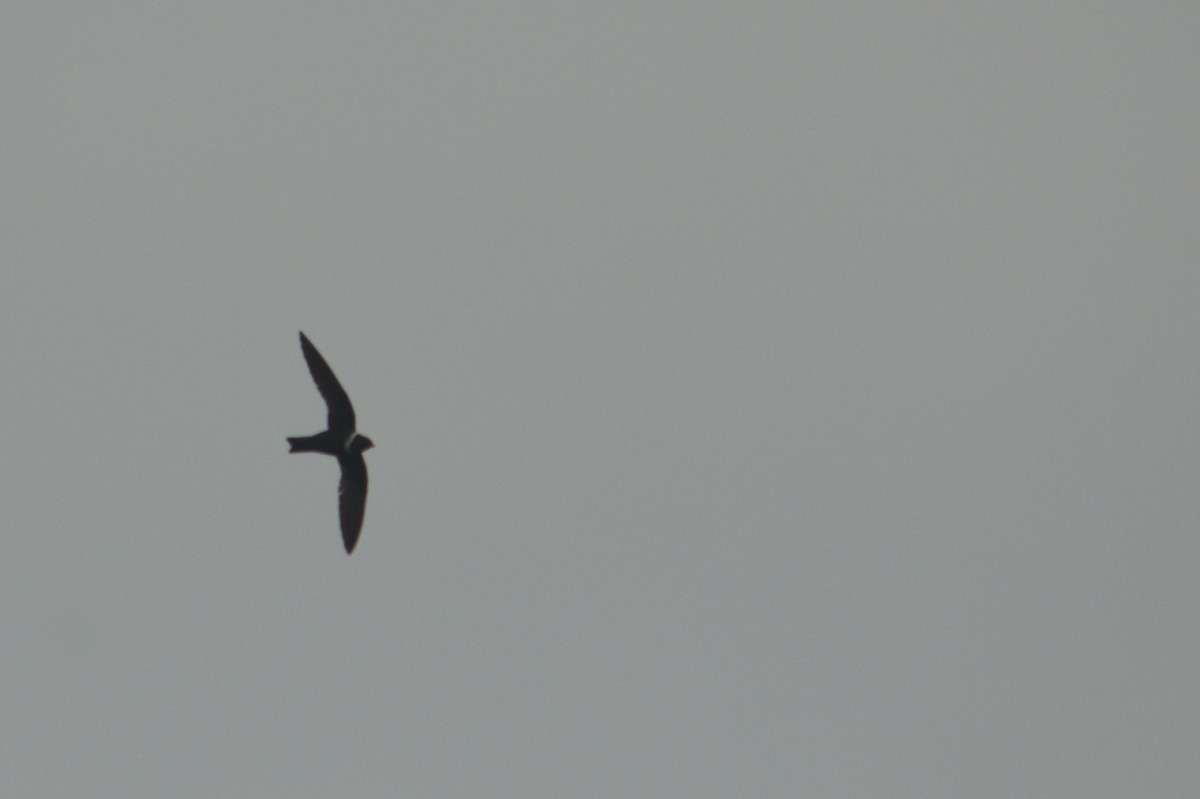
341 412
352 497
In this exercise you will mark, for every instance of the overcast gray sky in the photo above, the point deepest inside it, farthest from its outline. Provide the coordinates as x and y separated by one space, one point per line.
767 402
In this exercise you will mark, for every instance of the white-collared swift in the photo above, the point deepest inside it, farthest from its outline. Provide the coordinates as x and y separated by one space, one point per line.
341 441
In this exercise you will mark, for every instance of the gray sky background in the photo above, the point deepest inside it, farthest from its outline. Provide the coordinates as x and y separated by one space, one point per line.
768 402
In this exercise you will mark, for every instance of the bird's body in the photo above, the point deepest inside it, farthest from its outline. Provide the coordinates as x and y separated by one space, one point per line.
340 440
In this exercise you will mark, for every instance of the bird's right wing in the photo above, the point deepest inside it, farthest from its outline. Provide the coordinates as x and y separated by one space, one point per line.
341 412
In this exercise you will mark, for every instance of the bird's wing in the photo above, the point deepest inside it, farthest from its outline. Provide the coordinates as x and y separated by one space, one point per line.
341 412
352 497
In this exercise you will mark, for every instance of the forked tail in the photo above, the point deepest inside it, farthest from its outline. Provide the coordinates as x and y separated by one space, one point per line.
301 444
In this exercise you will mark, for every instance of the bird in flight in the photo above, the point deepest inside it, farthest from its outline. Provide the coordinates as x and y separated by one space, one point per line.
341 441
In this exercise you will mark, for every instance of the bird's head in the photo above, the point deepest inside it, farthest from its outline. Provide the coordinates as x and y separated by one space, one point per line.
360 444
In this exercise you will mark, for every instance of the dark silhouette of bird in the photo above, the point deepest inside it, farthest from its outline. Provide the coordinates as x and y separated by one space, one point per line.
341 441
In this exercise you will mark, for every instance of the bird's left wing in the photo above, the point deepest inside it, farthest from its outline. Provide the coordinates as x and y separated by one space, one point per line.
352 497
